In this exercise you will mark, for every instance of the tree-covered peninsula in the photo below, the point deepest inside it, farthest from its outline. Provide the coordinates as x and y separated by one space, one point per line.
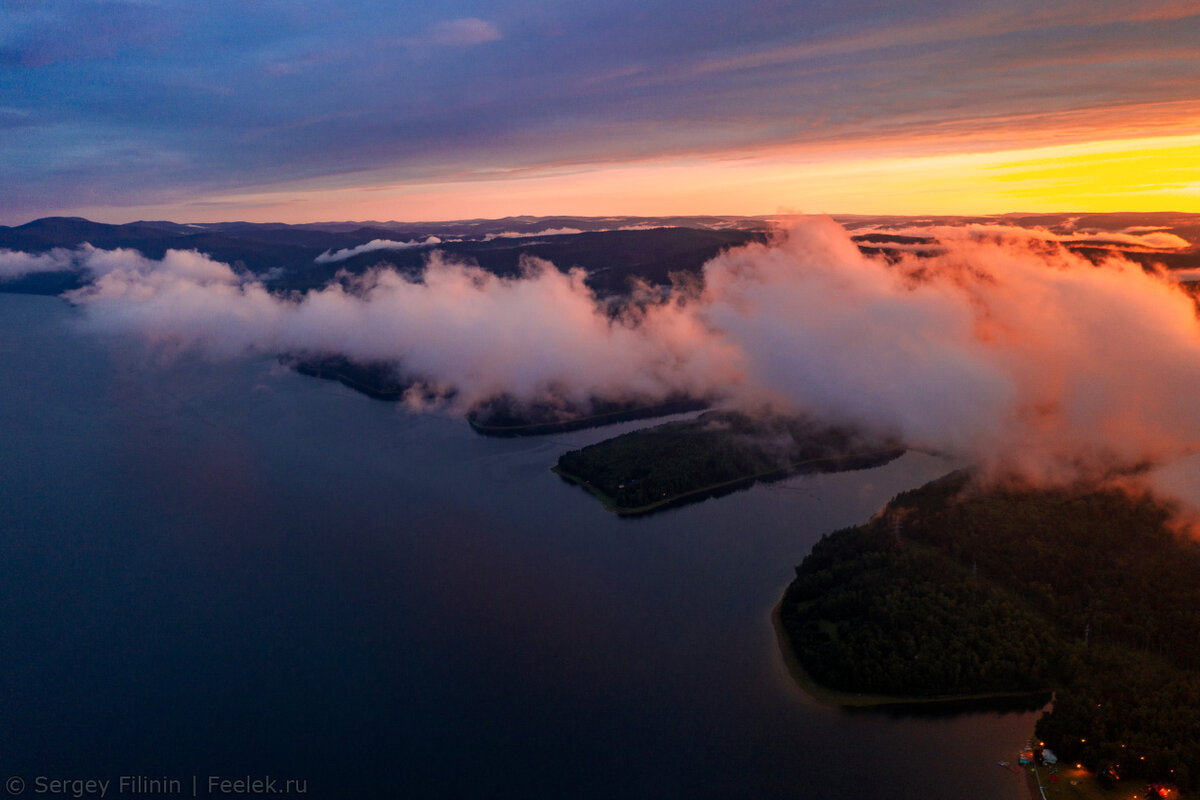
501 415
956 590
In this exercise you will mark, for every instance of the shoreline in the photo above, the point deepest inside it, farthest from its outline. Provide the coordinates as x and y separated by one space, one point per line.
840 699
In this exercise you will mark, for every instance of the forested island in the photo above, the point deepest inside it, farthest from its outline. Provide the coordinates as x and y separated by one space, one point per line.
955 590
718 452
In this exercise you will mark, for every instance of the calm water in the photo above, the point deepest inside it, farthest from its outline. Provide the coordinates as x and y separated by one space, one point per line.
228 569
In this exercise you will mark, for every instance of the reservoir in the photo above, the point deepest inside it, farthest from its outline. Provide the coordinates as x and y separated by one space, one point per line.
223 568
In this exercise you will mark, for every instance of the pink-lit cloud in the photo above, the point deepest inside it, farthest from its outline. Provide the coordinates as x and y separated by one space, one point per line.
1149 238
449 94
1005 348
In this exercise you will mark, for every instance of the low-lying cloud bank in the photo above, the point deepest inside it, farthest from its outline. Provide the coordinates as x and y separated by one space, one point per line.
1004 348
373 245
97 263
1135 238
521 235
16 264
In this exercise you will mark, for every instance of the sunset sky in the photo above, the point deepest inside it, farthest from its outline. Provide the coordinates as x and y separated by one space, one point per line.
298 112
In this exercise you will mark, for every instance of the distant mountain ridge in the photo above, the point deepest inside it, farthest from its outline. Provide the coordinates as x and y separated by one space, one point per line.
286 256
613 250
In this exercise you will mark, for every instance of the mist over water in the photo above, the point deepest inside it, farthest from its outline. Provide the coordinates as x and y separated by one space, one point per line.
1001 346
225 567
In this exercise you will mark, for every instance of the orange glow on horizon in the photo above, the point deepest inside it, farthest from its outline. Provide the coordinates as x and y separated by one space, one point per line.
1146 174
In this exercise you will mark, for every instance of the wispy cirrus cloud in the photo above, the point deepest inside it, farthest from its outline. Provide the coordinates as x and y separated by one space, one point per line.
318 97
464 32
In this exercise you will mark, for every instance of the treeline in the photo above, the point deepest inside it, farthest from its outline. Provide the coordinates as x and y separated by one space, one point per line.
651 466
952 590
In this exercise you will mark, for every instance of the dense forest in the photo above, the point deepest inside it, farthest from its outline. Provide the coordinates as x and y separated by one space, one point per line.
866 615
955 590
647 469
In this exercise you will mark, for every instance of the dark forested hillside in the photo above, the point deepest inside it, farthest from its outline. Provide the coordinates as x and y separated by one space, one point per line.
867 615
287 255
955 590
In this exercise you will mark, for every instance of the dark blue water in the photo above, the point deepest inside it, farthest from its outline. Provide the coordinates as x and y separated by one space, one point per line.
229 569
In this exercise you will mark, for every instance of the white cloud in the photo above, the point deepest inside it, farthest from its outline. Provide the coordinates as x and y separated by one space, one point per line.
15 264
373 245
519 234
1004 348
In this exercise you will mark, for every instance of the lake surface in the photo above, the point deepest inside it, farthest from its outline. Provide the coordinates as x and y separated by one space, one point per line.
231 569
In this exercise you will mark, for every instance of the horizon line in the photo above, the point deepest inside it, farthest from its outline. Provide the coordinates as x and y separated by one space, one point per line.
762 217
